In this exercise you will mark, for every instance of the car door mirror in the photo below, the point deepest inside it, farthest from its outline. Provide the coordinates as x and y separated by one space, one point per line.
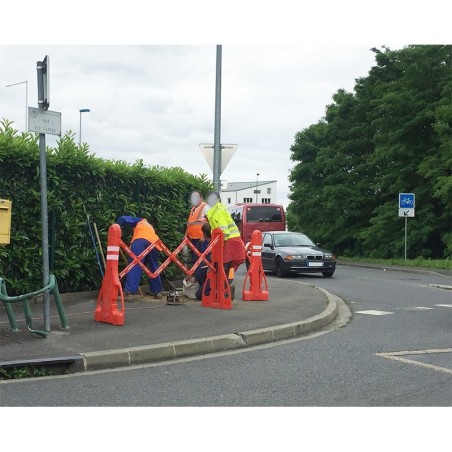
268 245
318 244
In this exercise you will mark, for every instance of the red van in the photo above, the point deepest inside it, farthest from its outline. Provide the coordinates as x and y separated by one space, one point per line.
264 217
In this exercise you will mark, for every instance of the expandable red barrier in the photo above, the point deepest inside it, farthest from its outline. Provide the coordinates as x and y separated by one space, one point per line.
107 302
217 284
217 293
258 287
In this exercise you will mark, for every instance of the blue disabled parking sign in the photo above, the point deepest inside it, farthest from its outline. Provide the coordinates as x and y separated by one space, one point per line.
406 201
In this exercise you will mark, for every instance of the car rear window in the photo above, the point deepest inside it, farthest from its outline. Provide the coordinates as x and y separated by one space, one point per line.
264 214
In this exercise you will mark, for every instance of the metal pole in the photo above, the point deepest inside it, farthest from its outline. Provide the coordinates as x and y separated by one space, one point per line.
80 131
44 214
26 100
406 226
217 132
26 106
257 184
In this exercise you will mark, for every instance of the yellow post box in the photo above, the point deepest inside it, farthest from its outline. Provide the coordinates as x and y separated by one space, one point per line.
5 221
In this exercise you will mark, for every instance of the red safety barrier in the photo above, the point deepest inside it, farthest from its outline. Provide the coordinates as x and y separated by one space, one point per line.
217 284
107 302
258 287
107 309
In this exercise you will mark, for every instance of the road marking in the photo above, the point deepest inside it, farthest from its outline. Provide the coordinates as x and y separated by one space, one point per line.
416 308
373 312
396 356
444 305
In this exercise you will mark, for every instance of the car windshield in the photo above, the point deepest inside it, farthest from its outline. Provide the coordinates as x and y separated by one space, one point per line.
293 240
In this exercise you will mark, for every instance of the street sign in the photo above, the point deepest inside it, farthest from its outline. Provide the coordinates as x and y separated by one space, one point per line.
44 121
227 152
406 213
407 203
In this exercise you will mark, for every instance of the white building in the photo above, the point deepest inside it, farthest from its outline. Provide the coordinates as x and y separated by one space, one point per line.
261 192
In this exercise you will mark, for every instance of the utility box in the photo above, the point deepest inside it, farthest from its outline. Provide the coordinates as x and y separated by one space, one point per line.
5 221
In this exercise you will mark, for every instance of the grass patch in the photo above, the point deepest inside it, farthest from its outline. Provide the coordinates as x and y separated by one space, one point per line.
418 262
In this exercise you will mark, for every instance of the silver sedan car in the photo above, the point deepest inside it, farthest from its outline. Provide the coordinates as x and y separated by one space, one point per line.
292 252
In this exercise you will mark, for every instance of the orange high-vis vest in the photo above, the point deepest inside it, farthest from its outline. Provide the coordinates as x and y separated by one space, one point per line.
143 230
195 222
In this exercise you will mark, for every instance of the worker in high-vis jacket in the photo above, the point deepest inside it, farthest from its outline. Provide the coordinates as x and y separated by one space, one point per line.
219 217
196 219
143 235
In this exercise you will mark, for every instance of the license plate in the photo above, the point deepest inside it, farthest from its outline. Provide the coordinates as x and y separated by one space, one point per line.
315 264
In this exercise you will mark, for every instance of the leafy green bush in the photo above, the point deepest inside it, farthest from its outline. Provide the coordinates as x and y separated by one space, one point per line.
23 372
79 180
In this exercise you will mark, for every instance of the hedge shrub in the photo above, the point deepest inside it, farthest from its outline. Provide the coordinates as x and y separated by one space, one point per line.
78 180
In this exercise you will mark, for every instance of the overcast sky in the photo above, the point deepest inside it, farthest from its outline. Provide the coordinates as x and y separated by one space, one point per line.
156 101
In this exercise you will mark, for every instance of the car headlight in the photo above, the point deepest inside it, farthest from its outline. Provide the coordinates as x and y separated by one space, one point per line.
294 257
329 256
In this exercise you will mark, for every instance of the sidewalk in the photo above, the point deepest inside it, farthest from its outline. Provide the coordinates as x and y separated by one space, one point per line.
293 309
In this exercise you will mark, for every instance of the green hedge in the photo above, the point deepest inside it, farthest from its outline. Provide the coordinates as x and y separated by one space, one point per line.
78 179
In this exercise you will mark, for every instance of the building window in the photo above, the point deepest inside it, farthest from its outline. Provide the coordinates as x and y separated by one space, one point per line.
247 200
269 191
229 200
266 200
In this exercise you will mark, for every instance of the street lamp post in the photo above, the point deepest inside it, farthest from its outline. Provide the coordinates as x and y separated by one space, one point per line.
257 184
82 110
26 100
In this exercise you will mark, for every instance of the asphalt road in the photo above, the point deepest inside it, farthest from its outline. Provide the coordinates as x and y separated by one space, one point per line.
340 368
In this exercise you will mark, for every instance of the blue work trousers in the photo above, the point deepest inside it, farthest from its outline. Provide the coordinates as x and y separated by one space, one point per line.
133 278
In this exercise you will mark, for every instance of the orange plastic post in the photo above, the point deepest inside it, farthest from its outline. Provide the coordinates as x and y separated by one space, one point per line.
258 287
220 292
107 302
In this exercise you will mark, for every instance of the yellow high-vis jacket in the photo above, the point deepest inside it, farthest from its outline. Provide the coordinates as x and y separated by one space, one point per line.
219 217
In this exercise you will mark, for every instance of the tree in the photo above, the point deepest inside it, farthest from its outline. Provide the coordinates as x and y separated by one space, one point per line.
393 134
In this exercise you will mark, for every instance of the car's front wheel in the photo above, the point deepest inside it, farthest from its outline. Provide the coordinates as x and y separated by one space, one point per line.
280 271
328 274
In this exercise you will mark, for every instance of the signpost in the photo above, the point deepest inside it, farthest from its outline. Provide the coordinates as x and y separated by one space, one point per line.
43 121
407 204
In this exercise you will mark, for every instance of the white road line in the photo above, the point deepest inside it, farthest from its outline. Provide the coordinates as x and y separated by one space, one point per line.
444 305
373 312
416 308
396 356
417 352
417 363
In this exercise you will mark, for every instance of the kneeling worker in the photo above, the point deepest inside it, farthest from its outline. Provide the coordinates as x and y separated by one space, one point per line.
143 235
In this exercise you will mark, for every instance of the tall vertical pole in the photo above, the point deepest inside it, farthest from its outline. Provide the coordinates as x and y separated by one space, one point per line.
217 139
26 100
80 131
257 184
26 106
406 226
44 214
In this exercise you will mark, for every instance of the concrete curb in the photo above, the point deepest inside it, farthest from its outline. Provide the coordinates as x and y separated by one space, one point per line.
394 268
148 354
